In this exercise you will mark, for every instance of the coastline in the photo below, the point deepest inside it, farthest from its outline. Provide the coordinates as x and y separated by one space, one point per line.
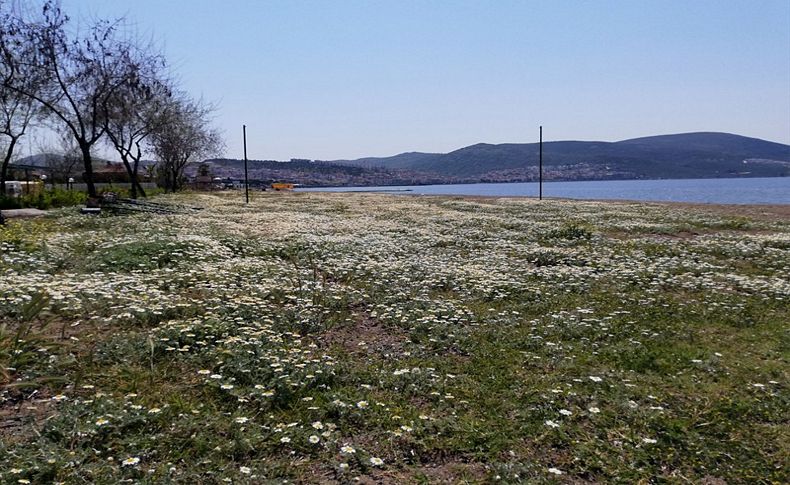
742 191
758 211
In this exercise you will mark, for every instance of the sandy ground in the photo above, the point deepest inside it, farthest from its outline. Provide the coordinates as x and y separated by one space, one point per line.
766 212
757 211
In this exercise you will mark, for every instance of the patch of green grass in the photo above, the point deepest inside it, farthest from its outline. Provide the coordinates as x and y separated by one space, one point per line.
571 231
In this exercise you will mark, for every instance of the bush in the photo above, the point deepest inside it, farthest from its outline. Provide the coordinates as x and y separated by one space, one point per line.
7 202
57 198
571 231
46 199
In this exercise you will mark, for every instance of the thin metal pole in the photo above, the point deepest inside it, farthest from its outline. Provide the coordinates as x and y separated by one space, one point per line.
246 180
540 170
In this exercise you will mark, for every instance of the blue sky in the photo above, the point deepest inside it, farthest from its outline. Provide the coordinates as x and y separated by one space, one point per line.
346 79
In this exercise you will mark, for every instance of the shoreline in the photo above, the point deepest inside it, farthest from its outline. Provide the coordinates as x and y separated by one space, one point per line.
759 211
768 191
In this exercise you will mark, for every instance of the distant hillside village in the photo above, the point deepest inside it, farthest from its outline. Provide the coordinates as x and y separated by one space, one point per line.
52 171
687 155
216 174
694 155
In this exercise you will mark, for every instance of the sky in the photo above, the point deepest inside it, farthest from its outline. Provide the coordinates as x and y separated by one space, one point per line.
346 79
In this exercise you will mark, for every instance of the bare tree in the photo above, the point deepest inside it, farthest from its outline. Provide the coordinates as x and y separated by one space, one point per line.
16 114
185 136
131 116
17 110
80 72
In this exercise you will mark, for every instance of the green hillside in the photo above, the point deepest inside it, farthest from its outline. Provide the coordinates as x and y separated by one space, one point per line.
687 155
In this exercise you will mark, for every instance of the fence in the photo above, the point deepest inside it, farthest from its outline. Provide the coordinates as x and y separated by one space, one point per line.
99 186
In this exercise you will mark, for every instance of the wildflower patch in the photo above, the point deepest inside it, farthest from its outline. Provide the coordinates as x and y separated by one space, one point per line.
334 337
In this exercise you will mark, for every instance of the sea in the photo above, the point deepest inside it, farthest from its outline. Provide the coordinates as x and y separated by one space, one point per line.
773 190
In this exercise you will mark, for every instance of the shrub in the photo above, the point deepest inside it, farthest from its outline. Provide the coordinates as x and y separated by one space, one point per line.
7 202
571 231
46 199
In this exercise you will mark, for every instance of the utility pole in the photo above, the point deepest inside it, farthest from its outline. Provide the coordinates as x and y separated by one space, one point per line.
246 180
540 169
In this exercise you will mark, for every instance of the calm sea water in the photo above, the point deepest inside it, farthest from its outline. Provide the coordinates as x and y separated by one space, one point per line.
774 190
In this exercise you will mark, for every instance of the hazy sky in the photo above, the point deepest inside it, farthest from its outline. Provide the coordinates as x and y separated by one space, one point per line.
345 79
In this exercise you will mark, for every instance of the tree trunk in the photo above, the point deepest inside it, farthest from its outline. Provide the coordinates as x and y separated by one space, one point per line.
88 162
138 187
136 179
168 182
131 174
6 161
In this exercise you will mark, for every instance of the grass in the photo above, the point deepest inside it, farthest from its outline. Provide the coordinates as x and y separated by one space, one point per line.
329 337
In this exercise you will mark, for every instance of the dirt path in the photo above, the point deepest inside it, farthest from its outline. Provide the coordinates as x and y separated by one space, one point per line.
13 213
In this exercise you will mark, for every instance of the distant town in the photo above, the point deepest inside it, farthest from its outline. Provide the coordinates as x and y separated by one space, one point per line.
725 155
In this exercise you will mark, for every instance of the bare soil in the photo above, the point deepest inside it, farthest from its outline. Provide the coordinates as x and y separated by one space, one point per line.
366 337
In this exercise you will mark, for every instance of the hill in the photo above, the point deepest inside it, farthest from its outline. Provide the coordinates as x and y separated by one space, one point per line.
687 155
401 161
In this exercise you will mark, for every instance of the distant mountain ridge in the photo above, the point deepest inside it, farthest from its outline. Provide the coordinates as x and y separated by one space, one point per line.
685 155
